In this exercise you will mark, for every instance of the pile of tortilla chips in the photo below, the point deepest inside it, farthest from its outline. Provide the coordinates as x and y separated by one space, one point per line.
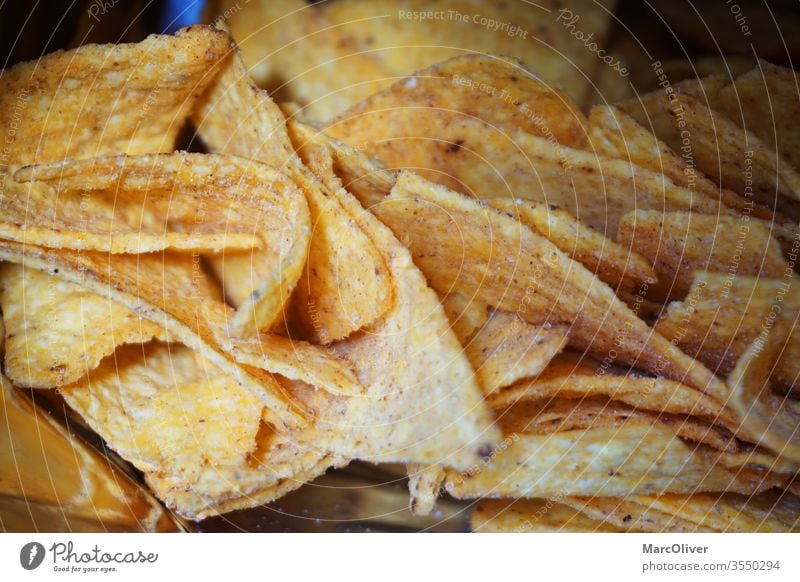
561 315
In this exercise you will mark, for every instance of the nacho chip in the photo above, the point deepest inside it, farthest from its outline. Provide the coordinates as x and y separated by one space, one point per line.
497 90
130 204
616 135
611 262
533 515
107 99
761 100
194 431
558 414
611 462
574 376
722 316
679 243
771 511
630 515
59 331
172 291
470 156
720 149
295 360
508 348
466 314
423 404
768 419
345 285
456 241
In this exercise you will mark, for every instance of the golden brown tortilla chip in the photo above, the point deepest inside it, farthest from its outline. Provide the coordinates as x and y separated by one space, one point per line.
107 99
508 348
59 331
722 315
344 286
497 90
466 314
679 243
629 515
610 261
464 246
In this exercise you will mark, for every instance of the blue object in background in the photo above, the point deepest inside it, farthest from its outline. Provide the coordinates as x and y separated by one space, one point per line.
176 14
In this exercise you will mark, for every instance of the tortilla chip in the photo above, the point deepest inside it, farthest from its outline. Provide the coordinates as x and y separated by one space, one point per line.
723 315
558 414
629 515
344 286
423 404
768 419
424 483
281 43
106 99
194 431
466 315
772 511
574 376
172 291
295 360
456 241
720 149
679 243
497 90
508 348
761 100
616 135
548 37
611 462
58 331
533 515
470 156
611 262
47 468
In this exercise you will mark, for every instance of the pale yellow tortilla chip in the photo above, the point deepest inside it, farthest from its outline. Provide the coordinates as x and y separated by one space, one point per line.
508 348
464 246
497 90
679 243
344 285
768 419
62 483
533 515
172 291
424 484
106 99
610 261
58 331
609 462
722 316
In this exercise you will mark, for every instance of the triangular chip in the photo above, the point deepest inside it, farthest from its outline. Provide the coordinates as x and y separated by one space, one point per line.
679 243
